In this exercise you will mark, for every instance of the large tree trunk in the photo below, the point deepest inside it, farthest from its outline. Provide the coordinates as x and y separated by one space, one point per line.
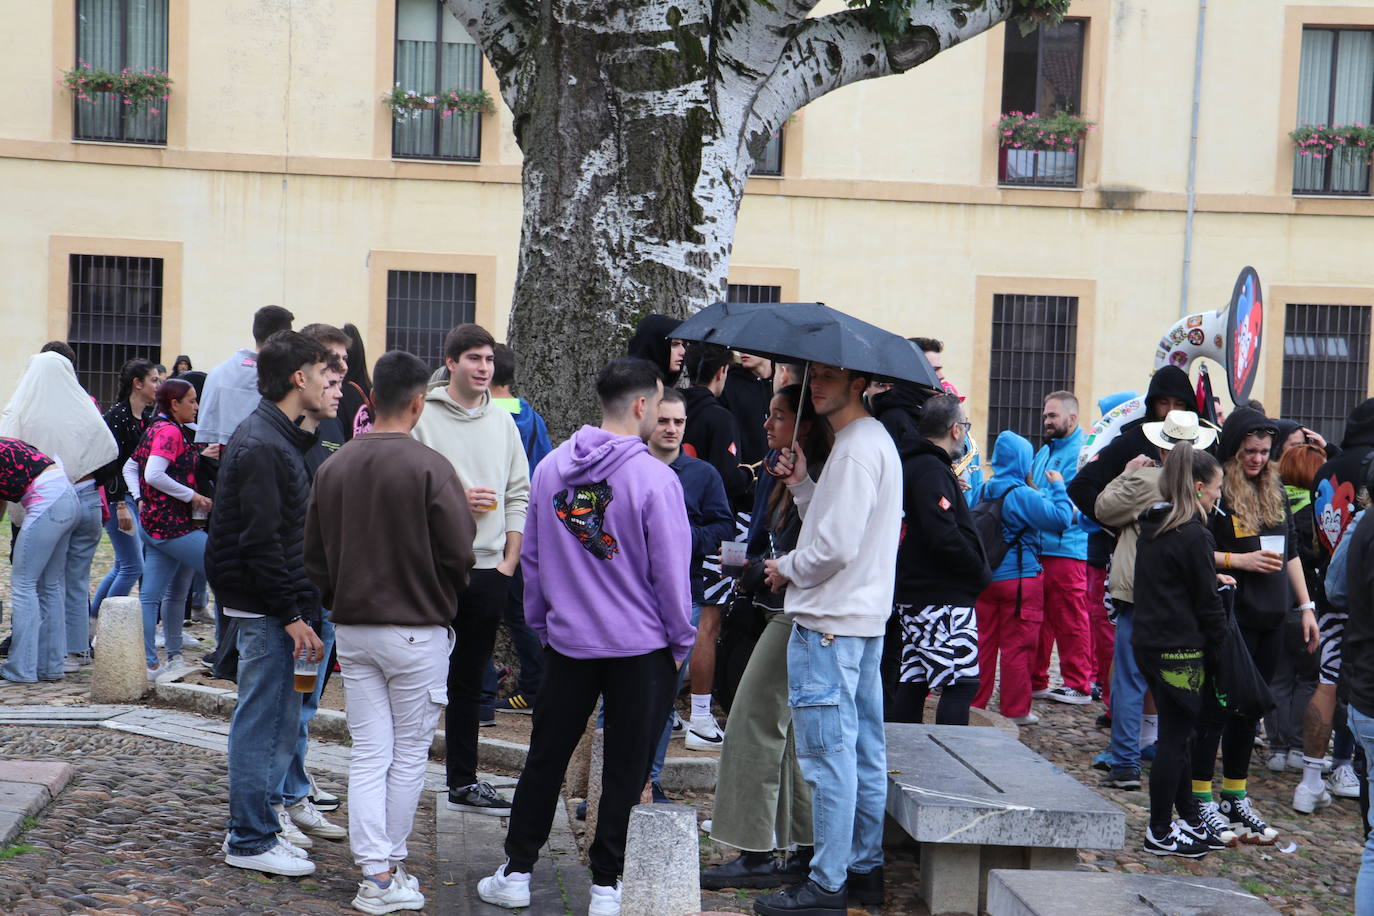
639 121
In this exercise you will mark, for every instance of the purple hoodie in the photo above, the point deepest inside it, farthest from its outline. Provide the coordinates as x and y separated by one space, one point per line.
607 551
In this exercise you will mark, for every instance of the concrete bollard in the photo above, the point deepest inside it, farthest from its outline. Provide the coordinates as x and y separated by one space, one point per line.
119 673
598 763
662 874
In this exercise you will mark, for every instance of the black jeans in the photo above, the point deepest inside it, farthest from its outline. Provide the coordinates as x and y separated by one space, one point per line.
1179 710
528 651
1235 734
479 611
637 691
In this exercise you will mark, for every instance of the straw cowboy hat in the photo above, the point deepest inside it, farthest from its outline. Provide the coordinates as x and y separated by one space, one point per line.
1179 426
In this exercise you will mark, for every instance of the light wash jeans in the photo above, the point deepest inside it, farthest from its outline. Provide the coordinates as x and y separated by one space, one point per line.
1363 728
661 752
80 551
128 561
38 593
836 694
262 733
395 685
295 785
1128 694
168 567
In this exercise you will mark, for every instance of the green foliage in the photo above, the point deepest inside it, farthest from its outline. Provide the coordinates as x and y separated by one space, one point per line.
1058 131
892 18
406 103
140 89
18 849
1349 143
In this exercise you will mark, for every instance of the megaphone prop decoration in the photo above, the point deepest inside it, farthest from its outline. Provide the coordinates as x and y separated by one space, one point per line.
1230 336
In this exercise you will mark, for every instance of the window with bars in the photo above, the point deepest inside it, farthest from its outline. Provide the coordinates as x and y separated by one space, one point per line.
1335 86
1043 73
744 292
423 306
434 53
114 35
1325 364
1033 343
114 315
770 163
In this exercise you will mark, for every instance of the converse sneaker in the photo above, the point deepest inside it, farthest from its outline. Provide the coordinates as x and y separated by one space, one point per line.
289 831
506 889
311 822
1343 783
605 900
323 798
275 861
1277 761
1306 800
1202 832
1174 843
1247 824
379 901
479 798
1216 824
1069 695
703 734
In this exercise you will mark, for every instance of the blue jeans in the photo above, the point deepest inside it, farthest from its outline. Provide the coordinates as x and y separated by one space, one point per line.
836 695
661 754
262 733
1363 728
38 594
162 576
80 551
128 561
1128 693
295 785
200 591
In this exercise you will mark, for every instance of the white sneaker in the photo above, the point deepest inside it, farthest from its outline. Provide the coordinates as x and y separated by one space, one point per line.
399 873
508 890
1069 695
382 900
311 822
188 640
289 847
1343 783
1306 801
605 900
1042 694
289 831
703 734
1029 718
1277 762
160 639
679 728
276 861
1296 764
202 614
324 799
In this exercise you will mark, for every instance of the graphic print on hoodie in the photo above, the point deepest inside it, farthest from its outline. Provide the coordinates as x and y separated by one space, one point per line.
585 517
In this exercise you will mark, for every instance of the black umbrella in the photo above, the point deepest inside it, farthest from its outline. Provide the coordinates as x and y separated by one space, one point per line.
809 332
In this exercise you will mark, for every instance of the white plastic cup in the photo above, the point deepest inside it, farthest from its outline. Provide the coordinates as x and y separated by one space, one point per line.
732 557
304 675
1274 543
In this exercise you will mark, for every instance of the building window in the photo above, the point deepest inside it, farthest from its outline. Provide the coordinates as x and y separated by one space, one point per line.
115 315
1043 73
770 163
435 53
114 35
423 306
743 292
1033 341
1325 364
1335 86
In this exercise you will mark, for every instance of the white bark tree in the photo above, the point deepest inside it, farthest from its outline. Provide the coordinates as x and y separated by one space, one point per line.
640 121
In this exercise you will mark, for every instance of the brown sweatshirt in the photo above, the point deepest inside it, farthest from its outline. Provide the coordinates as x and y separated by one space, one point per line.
388 534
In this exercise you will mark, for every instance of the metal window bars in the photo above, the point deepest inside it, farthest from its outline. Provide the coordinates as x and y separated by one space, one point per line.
744 292
423 306
115 315
1033 345
1325 364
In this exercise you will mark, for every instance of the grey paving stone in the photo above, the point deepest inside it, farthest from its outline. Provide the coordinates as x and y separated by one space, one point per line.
1039 893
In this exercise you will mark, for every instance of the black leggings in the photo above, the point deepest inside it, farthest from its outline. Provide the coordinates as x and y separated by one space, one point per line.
1170 782
1235 734
909 705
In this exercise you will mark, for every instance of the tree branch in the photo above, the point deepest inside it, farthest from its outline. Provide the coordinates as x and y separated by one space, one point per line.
502 28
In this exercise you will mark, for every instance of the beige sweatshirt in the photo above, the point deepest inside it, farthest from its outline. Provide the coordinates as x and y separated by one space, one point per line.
484 447
1118 506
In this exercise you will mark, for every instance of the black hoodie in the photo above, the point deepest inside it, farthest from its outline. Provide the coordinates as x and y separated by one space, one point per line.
899 410
940 560
1176 600
1357 666
1108 464
1242 422
710 436
1338 481
651 342
746 396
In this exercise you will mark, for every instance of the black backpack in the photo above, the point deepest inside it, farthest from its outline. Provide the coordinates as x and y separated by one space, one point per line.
987 521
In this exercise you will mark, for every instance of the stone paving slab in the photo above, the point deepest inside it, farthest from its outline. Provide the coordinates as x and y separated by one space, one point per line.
52 775
19 800
1030 893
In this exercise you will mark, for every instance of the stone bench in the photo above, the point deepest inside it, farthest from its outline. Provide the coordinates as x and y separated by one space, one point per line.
1029 893
976 799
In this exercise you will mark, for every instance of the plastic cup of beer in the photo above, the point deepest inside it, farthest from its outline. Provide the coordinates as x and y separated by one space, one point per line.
306 673
1274 543
490 501
732 557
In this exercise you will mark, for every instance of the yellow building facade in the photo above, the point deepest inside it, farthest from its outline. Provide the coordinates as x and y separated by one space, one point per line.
274 173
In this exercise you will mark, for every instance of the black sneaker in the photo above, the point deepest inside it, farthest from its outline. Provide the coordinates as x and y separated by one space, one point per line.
1244 820
1121 778
866 890
748 869
793 868
1174 843
1202 832
1097 692
486 716
809 899
1104 720
516 702
480 798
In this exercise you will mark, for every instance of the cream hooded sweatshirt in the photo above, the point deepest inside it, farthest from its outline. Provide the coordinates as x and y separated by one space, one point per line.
485 449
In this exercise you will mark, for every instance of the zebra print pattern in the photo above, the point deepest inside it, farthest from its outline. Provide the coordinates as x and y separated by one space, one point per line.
718 587
1331 625
939 643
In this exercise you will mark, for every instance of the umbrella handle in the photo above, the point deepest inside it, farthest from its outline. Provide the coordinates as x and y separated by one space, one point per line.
801 402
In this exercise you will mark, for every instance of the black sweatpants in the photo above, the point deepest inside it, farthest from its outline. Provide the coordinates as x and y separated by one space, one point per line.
637 691
1177 682
909 703
1235 734
479 613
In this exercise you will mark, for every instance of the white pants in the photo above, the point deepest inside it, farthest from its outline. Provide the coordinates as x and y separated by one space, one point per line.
395 685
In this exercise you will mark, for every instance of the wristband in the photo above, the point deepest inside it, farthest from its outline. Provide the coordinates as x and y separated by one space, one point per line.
1225 561
292 620
1309 606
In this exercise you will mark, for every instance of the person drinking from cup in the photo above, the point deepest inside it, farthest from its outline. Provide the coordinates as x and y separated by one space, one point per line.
1256 543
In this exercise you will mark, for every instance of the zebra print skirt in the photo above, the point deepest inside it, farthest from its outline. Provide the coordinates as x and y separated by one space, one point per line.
939 643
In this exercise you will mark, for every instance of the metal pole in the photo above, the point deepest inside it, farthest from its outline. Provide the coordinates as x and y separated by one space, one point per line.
1192 158
801 402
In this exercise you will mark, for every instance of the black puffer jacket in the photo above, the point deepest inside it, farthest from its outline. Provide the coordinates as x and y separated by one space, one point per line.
254 558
